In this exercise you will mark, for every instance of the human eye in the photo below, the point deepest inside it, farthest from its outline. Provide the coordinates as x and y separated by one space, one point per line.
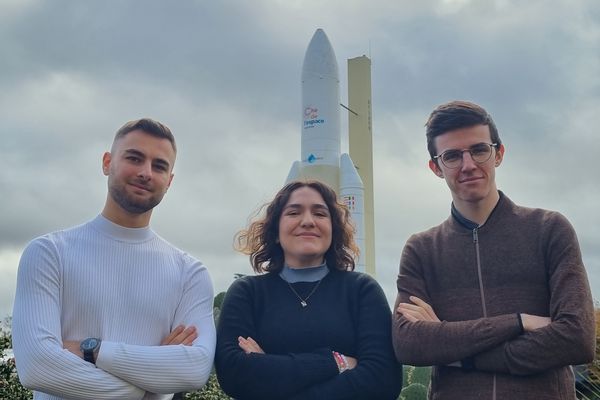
480 149
132 158
160 167
451 156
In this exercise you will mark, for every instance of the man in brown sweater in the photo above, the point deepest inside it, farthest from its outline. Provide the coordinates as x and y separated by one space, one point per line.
496 297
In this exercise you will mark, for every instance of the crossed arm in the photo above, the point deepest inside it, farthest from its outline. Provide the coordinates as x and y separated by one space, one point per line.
418 310
498 344
246 371
49 364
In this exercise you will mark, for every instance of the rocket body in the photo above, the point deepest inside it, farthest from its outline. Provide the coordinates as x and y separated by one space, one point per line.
321 137
321 140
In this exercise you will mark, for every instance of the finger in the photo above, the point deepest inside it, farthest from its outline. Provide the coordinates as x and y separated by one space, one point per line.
167 340
425 306
182 336
249 345
190 339
188 332
245 345
255 345
419 312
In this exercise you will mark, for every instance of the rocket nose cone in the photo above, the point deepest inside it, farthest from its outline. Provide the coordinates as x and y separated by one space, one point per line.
319 58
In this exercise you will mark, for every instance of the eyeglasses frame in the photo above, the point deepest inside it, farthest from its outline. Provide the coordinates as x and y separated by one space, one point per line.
462 151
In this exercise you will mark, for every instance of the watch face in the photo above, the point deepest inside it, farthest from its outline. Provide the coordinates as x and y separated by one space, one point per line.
89 344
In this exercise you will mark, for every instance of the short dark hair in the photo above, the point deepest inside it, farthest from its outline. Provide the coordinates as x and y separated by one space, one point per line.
260 239
149 126
455 115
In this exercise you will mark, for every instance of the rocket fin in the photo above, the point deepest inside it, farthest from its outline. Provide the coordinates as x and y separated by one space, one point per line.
294 173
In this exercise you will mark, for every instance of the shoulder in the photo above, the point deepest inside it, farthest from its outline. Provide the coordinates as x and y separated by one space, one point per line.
360 282
253 282
545 218
54 240
425 239
181 257
250 289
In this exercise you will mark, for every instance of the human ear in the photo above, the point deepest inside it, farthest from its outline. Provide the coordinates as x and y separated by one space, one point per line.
435 169
499 155
106 163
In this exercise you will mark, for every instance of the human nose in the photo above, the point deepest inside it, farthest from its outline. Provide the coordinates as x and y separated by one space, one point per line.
467 160
307 219
145 171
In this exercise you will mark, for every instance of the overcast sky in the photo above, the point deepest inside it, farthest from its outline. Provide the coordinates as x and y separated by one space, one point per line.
225 76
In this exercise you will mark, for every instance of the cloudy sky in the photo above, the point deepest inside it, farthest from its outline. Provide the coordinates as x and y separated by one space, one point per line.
225 76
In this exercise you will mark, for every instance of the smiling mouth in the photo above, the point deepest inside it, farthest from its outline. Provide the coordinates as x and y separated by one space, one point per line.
470 179
308 235
141 187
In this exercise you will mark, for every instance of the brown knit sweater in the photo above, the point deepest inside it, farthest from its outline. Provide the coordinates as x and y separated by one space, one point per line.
529 262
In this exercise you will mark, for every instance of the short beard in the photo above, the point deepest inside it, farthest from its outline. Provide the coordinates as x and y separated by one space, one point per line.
129 204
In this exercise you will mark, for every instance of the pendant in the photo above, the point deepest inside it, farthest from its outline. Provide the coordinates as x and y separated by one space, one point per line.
303 303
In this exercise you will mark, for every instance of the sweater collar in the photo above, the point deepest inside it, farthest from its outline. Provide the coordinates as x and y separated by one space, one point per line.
503 203
121 233
308 274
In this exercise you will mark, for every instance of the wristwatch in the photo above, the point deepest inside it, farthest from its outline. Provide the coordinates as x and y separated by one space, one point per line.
88 347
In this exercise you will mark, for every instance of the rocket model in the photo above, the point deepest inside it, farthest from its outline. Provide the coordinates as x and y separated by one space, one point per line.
321 157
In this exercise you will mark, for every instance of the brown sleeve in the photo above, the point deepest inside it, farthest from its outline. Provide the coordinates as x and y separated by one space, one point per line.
570 337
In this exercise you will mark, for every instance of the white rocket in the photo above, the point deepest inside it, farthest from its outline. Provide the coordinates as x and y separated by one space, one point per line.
321 157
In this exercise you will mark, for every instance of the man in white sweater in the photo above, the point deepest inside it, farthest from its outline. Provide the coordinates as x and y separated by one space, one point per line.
108 309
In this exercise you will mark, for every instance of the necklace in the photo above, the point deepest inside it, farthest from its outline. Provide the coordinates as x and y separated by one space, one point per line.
303 302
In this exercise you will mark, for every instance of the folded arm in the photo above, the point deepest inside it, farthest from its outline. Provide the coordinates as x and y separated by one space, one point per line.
376 375
428 342
252 374
42 363
570 338
174 367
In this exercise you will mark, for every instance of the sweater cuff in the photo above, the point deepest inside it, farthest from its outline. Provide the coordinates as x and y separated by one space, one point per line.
521 323
106 355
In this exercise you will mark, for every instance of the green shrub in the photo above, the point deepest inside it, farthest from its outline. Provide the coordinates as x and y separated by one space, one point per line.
414 391
210 391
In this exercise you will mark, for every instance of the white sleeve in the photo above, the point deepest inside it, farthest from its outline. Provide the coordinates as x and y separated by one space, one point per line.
171 369
42 363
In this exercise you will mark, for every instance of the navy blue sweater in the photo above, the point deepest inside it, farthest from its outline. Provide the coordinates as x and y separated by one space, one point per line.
348 313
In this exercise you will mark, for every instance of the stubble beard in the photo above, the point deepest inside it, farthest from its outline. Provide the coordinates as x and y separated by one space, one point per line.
130 204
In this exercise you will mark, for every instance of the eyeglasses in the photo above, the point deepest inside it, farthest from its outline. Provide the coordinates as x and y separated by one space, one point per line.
480 153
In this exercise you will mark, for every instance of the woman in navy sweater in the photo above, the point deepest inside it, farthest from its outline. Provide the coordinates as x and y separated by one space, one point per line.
307 327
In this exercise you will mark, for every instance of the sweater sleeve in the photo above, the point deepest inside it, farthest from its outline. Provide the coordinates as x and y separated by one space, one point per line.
424 343
377 375
170 369
42 363
261 376
569 338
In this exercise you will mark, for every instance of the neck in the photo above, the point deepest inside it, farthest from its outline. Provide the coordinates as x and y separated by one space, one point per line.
305 263
477 211
114 213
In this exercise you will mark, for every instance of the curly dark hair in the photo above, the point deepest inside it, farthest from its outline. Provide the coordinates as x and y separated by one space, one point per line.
260 239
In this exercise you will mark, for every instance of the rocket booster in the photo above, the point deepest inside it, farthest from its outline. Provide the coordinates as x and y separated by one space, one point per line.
320 155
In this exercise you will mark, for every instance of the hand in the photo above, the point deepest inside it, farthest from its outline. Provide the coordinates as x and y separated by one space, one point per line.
533 322
249 345
351 362
181 335
418 311
73 347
